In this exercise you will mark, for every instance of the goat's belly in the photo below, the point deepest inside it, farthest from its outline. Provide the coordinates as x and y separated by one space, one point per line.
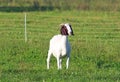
58 53
63 53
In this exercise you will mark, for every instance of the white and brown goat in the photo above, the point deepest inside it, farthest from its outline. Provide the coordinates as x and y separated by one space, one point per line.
60 46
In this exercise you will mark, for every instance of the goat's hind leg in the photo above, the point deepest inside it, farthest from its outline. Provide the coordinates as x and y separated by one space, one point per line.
48 59
60 63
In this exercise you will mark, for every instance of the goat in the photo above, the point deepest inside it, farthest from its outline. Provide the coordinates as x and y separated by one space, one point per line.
59 46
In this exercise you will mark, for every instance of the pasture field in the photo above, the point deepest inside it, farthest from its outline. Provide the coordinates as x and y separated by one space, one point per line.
95 55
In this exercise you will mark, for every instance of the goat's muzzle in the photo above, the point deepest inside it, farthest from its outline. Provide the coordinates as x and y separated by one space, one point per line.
71 33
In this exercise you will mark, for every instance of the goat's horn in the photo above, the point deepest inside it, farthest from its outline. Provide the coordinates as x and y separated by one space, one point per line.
61 24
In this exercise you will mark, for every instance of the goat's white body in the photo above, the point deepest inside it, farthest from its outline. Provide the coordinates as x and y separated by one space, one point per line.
59 47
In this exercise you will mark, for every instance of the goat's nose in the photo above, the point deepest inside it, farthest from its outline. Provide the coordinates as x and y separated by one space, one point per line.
71 33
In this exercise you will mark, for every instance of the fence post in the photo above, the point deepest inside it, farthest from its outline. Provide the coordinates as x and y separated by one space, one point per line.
25 29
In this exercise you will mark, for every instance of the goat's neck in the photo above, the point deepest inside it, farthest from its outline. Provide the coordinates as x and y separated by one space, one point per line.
66 37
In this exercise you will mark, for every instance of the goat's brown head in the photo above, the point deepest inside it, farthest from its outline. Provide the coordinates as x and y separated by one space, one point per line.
66 29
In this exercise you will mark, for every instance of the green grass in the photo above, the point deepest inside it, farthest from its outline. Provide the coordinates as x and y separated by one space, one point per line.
95 55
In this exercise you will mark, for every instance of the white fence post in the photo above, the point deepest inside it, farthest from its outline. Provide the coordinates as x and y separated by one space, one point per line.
25 29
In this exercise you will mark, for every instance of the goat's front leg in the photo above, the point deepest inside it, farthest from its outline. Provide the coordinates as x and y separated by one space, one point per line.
67 63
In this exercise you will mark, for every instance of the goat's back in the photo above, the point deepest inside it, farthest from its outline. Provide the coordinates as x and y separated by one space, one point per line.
59 43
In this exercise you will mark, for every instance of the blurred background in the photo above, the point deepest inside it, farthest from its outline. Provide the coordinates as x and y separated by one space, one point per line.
47 5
